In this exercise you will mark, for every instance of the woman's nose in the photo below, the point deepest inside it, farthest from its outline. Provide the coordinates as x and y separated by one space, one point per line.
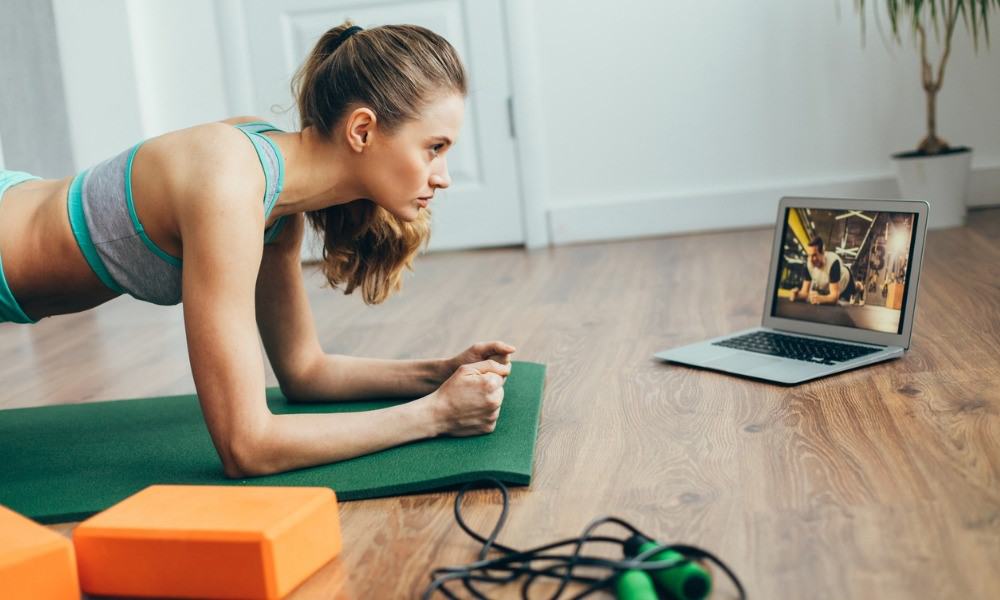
441 178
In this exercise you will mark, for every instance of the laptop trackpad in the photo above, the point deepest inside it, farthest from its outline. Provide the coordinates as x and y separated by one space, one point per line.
742 362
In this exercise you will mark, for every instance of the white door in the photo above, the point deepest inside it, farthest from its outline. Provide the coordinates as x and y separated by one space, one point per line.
482 207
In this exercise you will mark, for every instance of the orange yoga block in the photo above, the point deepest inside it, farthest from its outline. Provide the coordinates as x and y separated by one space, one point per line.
36 563
191 541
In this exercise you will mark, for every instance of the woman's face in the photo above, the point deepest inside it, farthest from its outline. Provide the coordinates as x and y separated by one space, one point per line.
407 167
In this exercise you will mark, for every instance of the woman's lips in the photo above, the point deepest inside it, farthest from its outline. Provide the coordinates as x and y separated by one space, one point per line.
423 202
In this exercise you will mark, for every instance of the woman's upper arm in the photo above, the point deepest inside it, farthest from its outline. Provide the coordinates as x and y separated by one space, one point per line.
284 318
222 252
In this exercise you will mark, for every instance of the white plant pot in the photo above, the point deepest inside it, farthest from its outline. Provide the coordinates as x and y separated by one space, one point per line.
941 180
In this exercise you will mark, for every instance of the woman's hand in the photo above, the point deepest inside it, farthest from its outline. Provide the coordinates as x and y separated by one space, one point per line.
468 403
496 351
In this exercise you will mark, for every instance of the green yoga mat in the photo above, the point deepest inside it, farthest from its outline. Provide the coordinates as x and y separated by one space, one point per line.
65 463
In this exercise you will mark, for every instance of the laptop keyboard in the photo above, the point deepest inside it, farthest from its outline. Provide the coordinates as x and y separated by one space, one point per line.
797 348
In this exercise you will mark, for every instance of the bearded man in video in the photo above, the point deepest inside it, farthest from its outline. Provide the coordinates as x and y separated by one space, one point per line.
829 279
844 267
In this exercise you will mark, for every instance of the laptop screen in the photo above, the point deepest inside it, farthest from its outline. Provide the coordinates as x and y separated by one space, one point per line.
845 267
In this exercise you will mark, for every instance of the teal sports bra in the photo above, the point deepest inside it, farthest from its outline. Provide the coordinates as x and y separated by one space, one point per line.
113 240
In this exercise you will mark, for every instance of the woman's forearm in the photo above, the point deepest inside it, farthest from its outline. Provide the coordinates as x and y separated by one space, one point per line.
338 377
294 441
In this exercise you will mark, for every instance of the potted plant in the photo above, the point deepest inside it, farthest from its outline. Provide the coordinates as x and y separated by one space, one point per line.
936 171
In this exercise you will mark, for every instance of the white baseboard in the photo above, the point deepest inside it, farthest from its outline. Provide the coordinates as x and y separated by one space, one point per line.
730 209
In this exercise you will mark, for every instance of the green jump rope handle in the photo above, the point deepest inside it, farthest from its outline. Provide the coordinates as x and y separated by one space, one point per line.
635 585
690 581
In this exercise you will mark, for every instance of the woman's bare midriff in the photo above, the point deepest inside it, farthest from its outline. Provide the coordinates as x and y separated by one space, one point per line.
44 267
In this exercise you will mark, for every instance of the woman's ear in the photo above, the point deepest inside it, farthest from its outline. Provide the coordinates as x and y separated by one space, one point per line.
361 124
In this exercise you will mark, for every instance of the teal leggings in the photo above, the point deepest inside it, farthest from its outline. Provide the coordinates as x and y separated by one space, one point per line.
10 310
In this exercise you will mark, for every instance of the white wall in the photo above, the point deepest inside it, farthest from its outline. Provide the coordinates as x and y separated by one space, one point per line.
98 78
135 69
33 118
179 75
654 117
661 109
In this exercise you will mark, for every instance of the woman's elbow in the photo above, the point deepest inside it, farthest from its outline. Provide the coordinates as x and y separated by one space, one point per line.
297 384
293 388
232 470
246 455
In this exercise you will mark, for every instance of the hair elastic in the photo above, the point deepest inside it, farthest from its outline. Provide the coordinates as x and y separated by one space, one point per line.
344 35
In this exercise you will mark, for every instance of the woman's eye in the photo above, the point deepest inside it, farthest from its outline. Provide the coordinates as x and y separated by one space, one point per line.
437 148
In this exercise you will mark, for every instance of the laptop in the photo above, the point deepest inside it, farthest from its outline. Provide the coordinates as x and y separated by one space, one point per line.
841 293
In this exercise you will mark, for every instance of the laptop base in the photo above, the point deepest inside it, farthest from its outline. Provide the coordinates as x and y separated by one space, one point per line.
764 367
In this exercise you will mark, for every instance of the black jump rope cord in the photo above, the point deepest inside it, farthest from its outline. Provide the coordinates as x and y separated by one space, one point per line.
513 564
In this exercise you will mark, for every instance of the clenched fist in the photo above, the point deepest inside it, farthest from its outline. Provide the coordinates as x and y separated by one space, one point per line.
496 351
468 403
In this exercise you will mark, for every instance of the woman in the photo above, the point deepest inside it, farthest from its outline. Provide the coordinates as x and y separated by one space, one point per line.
379 110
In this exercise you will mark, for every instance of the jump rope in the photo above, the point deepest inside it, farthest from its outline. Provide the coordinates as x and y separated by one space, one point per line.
648 570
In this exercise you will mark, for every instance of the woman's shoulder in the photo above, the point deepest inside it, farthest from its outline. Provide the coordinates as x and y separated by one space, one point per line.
218 137
209 155
221 139
232 121
203 169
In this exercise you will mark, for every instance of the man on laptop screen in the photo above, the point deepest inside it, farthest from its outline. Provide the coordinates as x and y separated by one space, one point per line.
856 281
841 295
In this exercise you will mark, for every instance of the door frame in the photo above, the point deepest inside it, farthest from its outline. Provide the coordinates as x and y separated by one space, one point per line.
529 119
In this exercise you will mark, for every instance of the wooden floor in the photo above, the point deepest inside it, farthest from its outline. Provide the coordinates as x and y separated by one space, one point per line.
879 483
